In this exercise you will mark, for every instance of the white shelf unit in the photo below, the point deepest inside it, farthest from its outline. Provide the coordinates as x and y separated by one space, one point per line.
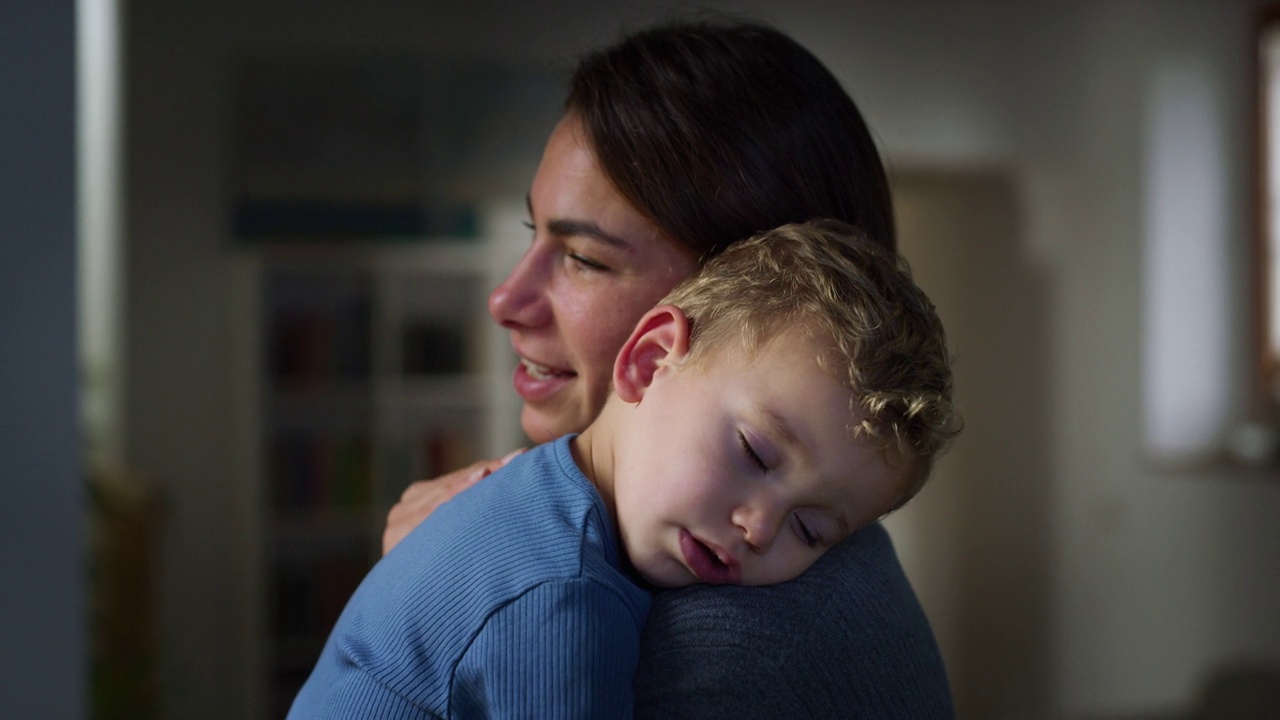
366 366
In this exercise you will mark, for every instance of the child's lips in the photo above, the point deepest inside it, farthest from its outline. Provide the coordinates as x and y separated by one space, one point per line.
708 563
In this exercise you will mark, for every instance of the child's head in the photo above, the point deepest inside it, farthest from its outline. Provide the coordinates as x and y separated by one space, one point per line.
882 338
796 389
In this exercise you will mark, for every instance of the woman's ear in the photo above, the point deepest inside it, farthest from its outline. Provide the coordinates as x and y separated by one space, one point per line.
661 337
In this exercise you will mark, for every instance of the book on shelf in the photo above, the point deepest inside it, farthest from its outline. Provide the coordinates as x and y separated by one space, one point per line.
434 347
309 347
444 450
309 597
422 456
320 472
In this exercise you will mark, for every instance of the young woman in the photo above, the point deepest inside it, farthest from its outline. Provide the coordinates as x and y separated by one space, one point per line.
677 142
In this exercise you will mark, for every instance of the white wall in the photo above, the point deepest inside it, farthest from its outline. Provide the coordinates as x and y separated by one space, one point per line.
1134 583
1163 577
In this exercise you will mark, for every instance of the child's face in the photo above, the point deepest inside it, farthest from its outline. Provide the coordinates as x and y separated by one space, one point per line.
743 470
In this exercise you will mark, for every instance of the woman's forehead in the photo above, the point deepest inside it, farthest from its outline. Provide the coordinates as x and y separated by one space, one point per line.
572 196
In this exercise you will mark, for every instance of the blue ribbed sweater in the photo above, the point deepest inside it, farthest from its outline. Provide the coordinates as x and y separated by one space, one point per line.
507 601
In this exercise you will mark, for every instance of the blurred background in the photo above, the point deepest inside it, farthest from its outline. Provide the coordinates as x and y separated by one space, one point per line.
244 252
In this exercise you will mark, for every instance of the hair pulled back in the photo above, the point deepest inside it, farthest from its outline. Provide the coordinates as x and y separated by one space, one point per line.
721 130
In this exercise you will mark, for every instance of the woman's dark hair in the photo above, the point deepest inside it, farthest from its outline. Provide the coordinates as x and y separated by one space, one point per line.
721 130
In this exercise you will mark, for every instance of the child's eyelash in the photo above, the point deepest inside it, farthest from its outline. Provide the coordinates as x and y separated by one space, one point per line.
751 453
809 538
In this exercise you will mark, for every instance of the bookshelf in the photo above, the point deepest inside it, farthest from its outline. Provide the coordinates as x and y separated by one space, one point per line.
373 200
368 365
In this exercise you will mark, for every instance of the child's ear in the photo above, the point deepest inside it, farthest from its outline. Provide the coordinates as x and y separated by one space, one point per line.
661 336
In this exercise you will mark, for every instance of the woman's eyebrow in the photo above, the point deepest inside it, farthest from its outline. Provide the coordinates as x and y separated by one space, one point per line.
588 229
579 227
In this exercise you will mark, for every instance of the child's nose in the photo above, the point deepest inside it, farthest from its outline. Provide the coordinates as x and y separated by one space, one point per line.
759 522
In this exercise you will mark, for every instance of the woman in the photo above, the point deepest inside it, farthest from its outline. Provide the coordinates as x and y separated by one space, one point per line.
676 142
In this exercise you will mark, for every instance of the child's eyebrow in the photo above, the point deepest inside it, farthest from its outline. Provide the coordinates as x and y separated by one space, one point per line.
780 428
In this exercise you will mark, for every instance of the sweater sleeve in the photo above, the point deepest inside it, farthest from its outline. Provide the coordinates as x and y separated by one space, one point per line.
563 649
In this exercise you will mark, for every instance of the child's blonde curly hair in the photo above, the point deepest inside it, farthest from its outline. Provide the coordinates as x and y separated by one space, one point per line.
884 339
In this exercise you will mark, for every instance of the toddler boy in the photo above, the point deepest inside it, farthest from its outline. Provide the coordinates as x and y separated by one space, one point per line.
794 390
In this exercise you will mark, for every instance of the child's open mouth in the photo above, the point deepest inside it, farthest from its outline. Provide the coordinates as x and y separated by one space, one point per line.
706 563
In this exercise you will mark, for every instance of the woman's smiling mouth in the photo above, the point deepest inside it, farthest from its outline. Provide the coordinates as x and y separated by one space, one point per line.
543 372
536 382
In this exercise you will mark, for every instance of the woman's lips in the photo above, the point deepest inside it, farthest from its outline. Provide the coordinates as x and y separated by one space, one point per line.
708 564
534 382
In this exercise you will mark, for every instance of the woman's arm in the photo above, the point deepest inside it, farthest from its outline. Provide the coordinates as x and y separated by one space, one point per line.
423 497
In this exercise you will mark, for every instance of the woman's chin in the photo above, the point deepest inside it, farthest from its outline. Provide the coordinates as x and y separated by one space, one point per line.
542 426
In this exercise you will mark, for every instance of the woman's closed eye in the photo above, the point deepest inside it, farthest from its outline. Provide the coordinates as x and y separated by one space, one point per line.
577 258
585 262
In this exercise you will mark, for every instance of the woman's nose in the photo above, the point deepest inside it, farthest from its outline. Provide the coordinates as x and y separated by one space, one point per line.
520 301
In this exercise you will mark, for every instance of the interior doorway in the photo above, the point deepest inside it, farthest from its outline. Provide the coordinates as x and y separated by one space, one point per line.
977 542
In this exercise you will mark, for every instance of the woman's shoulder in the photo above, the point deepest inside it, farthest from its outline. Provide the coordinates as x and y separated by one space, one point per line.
846 632
861 574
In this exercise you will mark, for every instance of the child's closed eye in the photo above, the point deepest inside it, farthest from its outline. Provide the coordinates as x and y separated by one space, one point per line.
751 454
807 534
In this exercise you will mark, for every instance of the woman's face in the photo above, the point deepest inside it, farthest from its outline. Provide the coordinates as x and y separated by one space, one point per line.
594 267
